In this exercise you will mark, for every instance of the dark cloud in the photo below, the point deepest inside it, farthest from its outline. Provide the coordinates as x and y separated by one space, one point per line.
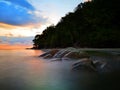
18 12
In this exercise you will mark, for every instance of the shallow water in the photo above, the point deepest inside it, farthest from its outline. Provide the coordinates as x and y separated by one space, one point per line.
24 70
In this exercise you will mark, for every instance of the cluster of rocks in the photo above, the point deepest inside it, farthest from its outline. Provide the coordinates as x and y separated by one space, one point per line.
72 53
82 60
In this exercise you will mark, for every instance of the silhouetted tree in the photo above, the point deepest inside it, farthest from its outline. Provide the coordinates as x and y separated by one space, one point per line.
92 24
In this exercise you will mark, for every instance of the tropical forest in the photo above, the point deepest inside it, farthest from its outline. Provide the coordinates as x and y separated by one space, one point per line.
92 24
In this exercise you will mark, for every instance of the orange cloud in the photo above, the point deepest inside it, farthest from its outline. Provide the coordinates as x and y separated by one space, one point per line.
7 26
21 31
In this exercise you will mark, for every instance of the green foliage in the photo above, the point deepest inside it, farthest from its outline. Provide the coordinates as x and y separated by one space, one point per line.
92 24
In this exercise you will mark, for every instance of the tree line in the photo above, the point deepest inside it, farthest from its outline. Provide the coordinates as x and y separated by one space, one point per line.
93 24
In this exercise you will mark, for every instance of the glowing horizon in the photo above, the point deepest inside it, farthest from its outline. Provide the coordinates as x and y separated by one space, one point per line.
14 46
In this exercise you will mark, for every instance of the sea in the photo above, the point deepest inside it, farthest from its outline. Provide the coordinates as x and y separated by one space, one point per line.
25 70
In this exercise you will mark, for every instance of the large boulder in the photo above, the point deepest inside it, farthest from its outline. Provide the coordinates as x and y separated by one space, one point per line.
49 54
61 53
72 53
99 64
103 66
85 64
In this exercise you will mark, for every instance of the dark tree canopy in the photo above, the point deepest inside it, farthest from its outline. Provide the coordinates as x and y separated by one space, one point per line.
92 24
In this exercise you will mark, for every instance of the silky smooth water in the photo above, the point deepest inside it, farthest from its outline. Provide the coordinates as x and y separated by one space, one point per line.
24 70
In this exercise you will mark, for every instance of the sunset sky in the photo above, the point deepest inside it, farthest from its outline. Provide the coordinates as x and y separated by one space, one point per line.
21 20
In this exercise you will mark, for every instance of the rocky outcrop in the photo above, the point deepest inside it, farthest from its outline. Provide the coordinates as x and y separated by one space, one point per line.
87 64
72 53
82 60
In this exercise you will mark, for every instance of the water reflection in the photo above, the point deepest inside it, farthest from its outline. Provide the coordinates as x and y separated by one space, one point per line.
23 70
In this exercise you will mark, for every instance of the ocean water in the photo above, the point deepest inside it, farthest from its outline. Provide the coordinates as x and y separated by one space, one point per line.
24 70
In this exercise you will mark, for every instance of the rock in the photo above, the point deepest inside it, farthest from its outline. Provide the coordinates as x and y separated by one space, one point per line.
76 55
99 64
47 56
102 66
63 52
50 53
84 64
44 54
55 59
66 53
87 64
60 53
72 53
